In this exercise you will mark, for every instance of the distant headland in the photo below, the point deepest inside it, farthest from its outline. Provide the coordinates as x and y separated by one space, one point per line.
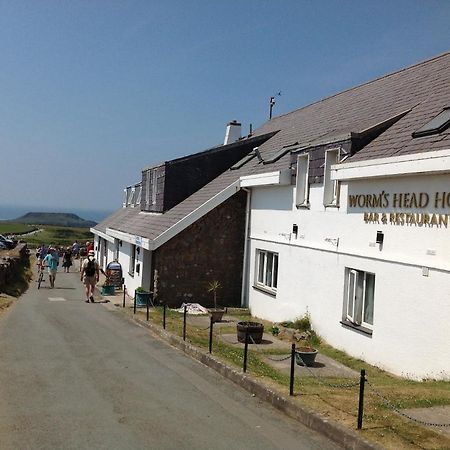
59 219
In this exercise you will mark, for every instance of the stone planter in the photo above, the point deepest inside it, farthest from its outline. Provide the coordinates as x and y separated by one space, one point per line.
255 332
305 356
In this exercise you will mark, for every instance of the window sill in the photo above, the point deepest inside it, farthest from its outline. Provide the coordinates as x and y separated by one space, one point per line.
304 206
360 328
265 290
332 205
131 274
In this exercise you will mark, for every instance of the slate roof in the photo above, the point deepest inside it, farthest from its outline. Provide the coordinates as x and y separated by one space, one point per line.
422 89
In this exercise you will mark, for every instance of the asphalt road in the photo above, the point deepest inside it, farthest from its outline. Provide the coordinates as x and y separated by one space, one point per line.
78 376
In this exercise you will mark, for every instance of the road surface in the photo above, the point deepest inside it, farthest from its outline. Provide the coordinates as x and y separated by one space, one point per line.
78 376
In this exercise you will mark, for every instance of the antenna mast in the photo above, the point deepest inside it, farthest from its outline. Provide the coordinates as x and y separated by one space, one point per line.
272 104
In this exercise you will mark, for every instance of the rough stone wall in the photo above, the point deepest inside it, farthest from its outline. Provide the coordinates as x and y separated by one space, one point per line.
11 262
210 249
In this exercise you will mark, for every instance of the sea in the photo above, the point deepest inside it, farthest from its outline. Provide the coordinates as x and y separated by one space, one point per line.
13 212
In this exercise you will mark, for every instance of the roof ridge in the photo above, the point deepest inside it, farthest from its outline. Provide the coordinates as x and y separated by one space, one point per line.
426 61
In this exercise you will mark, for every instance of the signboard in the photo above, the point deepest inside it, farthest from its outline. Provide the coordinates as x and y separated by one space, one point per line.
403 208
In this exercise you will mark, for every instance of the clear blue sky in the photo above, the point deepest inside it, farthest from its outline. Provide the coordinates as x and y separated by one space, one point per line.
92 91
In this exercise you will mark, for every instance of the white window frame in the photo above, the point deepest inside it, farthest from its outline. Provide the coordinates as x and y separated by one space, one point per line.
331 187
138 197
132 259
125 195
302 183
266 277
151 186
116 249
355 304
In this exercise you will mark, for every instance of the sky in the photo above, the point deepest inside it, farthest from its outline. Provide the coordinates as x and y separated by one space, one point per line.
93 91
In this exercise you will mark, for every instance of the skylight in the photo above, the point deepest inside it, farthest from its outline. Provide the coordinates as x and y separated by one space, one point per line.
435 125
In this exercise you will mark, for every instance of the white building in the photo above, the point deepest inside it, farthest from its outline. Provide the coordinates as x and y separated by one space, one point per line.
347 218
361 239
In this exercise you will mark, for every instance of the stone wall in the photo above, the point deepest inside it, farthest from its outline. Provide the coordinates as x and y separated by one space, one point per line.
11 262
210 249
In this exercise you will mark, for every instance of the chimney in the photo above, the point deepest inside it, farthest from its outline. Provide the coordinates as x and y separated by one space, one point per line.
233 132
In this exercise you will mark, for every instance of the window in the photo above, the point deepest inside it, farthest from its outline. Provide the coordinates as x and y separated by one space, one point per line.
137 200
331 187
116 250
151 185
132 259
302 195
266 270
436 125
360 288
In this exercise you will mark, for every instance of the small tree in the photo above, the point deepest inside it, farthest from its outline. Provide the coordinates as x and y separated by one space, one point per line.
213 287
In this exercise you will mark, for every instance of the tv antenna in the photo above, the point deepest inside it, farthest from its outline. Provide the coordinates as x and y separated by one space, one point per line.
272 103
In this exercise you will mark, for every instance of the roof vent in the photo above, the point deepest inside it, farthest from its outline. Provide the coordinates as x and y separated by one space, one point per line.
233 132
435 125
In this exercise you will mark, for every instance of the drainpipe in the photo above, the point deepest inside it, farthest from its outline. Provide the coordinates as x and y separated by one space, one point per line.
246 262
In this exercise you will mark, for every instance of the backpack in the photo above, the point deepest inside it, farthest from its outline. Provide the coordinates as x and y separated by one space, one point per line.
89 270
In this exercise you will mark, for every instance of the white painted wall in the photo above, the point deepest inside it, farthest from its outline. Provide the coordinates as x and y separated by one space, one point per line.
411 312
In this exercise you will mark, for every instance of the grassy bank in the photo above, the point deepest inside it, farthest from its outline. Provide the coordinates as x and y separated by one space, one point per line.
16 228
59 236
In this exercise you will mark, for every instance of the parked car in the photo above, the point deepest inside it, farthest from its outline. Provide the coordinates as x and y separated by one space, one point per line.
7 242
3 246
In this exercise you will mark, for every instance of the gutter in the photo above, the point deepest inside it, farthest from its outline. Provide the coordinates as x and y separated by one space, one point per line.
436 162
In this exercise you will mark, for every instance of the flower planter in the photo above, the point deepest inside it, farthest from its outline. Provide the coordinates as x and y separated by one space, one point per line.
108 289
255 332
305 356
142 298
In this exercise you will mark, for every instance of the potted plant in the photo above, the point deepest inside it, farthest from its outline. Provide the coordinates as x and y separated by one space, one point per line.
142 297
216 313
108 287
305 354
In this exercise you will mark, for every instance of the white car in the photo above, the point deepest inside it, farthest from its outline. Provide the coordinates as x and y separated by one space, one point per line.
8 243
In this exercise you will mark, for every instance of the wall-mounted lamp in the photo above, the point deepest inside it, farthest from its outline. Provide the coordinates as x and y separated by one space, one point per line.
295 230
138 250
380 237
120 243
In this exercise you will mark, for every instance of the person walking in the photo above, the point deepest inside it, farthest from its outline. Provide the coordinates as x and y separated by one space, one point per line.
90 274
67 259
76 249
51 260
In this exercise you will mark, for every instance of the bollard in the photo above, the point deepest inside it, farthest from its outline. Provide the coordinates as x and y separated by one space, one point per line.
184 323
164 316
148 298
291 381
124 291
245 351
362 380
134 307
211 324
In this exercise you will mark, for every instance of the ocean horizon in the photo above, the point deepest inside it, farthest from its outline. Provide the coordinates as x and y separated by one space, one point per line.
13 212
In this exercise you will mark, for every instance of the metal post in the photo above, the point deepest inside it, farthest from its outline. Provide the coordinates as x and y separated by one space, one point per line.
164 316
124 291
148 301
291 381
362 380
184 323
134 307
211 324
245 351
